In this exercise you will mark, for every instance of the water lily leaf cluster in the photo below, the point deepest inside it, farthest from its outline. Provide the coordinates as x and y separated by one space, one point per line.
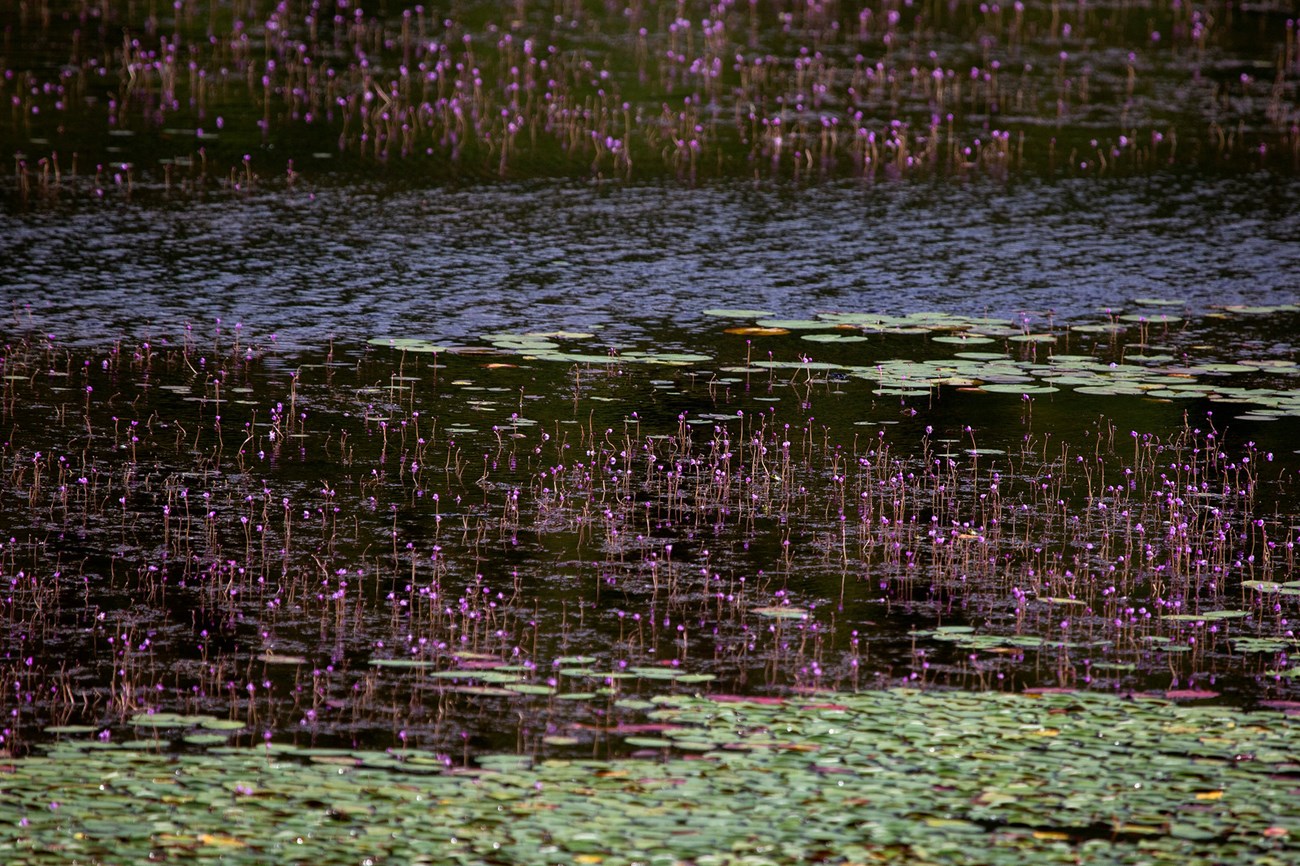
890 776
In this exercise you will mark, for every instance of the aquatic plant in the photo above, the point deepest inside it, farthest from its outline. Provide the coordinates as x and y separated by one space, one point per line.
894 776
261 93
384 539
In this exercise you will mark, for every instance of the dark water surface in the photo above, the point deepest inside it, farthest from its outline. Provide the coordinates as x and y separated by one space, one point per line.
480 432
226 493
354 261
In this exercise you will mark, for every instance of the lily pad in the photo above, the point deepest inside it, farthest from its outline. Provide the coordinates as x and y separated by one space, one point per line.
779 612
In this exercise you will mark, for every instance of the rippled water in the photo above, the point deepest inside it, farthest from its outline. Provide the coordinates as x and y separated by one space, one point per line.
356 261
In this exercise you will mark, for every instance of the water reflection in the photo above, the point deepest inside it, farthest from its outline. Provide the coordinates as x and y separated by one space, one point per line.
341 548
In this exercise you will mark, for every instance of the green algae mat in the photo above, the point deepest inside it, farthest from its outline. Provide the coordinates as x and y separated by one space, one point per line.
891 776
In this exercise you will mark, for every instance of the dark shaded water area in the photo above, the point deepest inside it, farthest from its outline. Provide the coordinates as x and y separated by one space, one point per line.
465 378
196 95
475 468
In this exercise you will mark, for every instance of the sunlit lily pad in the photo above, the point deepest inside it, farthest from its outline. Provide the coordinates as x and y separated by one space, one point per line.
280 659
656 673
408 344
1259 310
1017 388
1112 329
795 324
779 612
1152 318
212 724
1263 645
756 331
667 357
1033 338
834 338
964 339
529 688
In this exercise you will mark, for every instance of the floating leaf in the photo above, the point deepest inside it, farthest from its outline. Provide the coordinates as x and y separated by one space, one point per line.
408 344
648 742
756 331
834 338
656 673
1016 388
782 612
529 688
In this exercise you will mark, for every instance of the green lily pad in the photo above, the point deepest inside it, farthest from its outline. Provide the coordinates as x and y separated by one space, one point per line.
408 344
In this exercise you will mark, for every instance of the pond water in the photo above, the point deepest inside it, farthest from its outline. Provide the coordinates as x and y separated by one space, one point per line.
352 261
240 480
383 454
